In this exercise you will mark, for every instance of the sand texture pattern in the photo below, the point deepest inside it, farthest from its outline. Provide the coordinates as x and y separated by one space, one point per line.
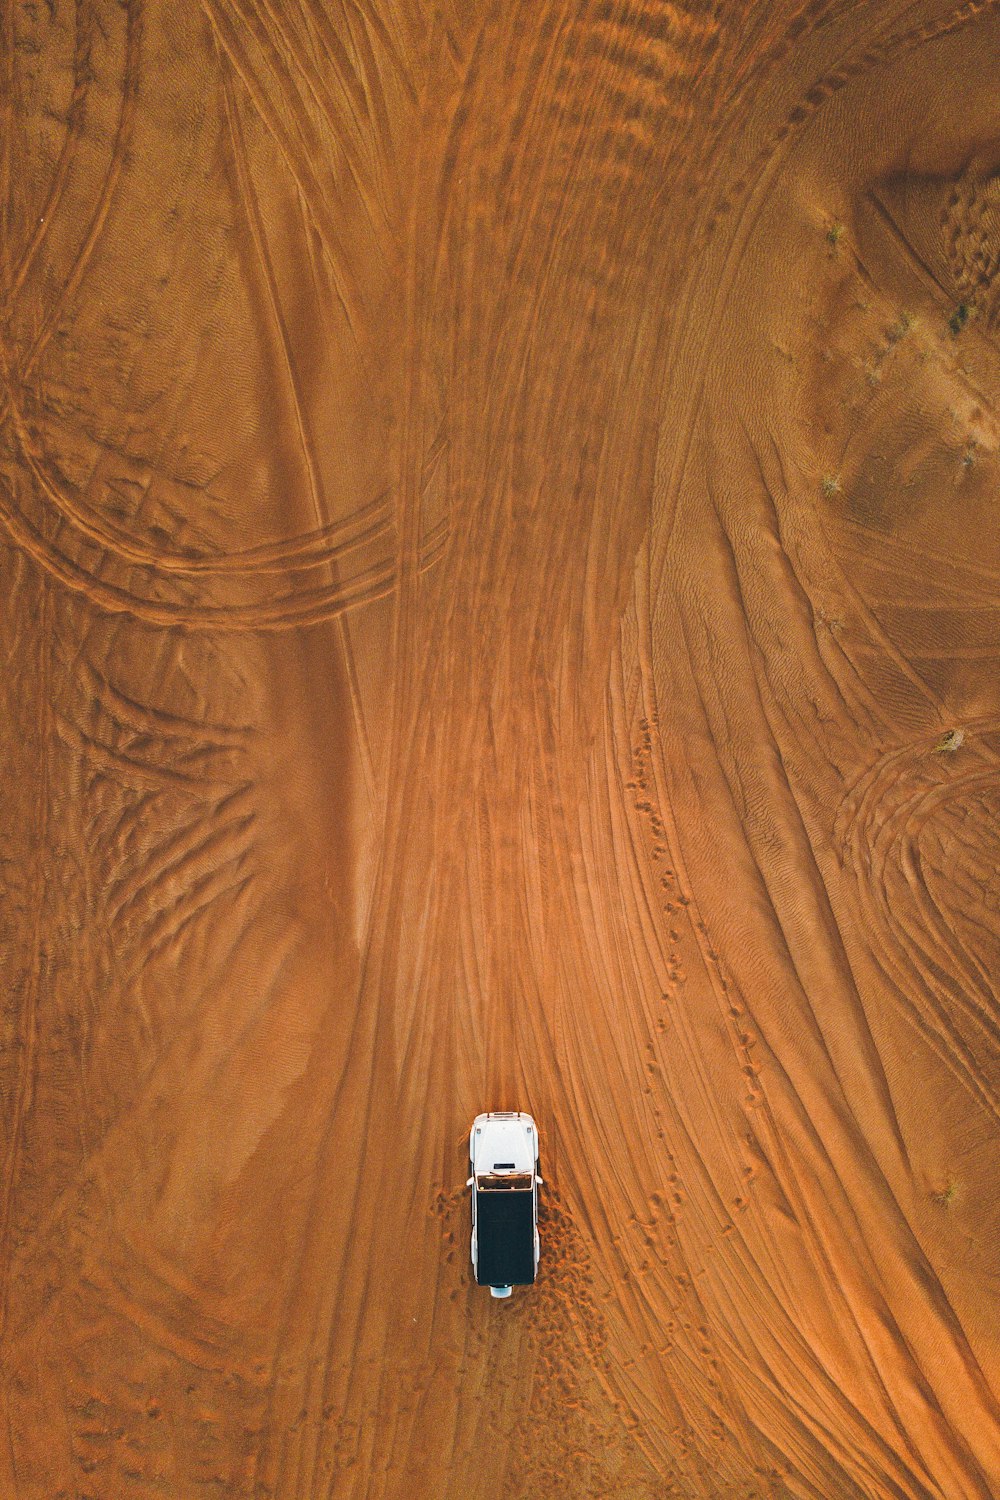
499 608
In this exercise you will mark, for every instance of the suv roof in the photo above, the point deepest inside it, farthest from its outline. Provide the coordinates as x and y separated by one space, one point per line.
506 1234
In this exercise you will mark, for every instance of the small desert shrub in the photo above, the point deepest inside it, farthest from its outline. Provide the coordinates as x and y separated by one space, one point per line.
901 327
830 485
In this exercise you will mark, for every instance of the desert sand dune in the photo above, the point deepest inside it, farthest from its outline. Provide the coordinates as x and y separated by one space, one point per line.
500 608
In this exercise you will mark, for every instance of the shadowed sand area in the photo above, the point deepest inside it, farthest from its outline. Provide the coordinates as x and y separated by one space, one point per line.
500 608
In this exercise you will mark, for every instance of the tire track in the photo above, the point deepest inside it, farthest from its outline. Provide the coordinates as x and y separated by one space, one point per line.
288 64
102 208
320 215
33 991
317 548
6 145
879 826
306 607
744 204
84 20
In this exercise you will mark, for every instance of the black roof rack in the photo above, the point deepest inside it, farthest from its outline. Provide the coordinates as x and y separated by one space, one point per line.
505 1230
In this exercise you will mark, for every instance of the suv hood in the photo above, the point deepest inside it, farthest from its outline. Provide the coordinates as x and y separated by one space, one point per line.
502 1143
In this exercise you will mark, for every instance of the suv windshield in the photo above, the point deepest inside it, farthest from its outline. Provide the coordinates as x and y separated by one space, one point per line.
490 1181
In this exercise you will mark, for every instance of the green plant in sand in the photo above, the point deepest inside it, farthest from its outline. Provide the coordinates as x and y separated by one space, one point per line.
950 741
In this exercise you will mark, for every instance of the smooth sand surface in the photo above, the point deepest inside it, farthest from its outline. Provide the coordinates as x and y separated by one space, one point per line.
500 599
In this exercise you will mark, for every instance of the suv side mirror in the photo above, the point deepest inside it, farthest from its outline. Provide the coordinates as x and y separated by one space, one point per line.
469 1181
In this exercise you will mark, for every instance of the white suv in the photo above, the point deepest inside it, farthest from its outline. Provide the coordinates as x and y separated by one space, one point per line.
503 1176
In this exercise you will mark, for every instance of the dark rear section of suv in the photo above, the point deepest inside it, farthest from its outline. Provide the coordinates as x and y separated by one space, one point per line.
506 1236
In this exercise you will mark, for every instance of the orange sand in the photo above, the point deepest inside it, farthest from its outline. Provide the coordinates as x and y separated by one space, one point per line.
500 607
